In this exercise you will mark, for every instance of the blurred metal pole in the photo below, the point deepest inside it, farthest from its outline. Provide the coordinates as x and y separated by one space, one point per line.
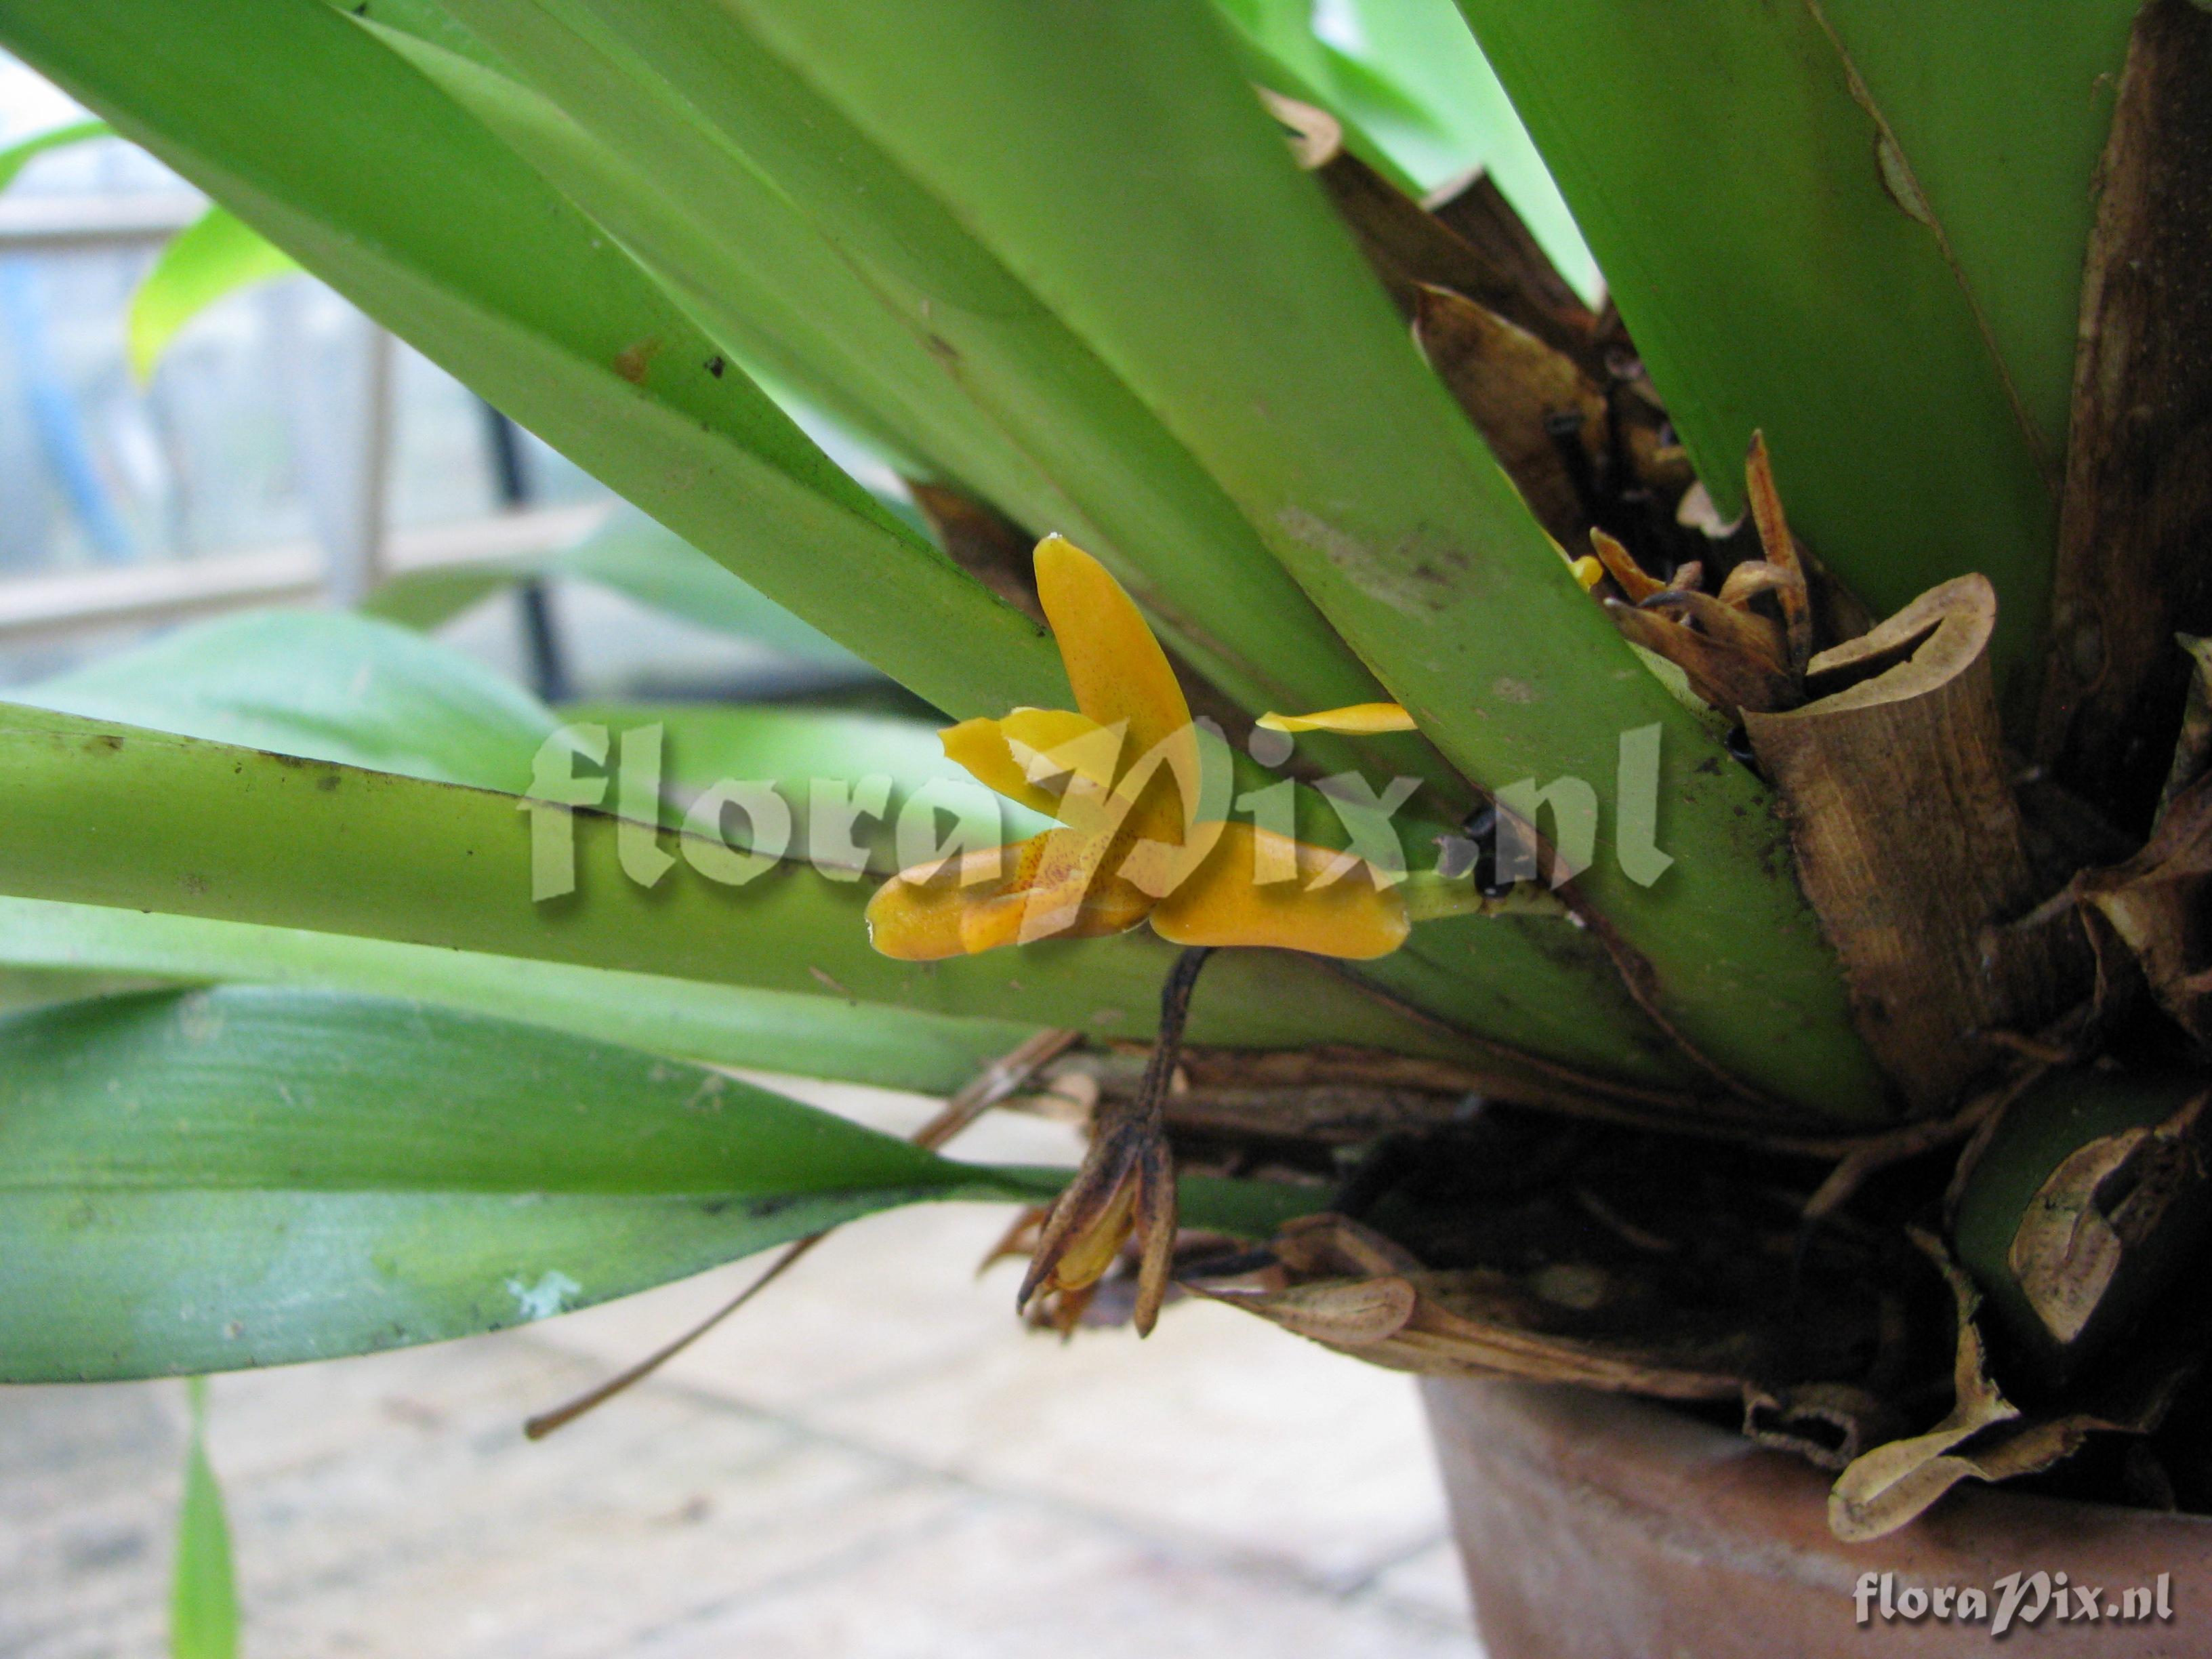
544 660
356 554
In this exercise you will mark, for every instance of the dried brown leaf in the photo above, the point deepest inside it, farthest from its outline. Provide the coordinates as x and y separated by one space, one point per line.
1621 564
2105 1199
1474 209
2135 537
1743 631
1893 1485
2192 750
1885 1488
1756 576
1725 677
1902 716
1548 1327
2159 906
1513 386
1828 1424
982 541
1781 550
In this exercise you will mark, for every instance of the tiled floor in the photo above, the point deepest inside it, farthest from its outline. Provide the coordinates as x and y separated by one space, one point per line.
872 1462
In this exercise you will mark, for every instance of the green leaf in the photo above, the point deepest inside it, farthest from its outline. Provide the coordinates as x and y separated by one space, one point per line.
56 952
202 1589
1225 294
41 987
1381 121
213 1180
211 258
241 836
1216 298
1425 46
794 748
14 157
631 556
675 95
743 260
322 684
1858 224
636 557
339 688
2001 120
324 140
329 685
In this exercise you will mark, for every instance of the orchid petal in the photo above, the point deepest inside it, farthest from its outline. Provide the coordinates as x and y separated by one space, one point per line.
1239 895
1119 675
1047 886
1359 720
1029 750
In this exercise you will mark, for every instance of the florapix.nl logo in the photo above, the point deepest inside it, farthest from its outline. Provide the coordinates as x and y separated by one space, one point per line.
2016 1600
733 830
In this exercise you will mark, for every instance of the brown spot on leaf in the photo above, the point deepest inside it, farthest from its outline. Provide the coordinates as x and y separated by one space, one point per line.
632 360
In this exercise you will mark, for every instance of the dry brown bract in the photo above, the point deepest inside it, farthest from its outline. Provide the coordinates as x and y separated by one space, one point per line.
2137 517
1350 1288
2157 908
1743 649
1986 1437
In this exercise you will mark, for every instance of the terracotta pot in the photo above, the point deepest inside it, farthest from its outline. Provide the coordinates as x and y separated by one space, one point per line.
1596 1527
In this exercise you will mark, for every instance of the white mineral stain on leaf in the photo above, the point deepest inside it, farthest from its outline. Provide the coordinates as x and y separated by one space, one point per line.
548 1296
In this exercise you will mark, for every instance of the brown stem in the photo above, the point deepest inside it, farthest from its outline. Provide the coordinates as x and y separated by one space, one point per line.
1127 1181
1002 1078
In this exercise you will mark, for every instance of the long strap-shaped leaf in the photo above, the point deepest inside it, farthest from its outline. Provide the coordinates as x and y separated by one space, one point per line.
819 1036
672 94
328 686
347 158
1214 280
1858 224
1998 115
221 1179
742 261
102 814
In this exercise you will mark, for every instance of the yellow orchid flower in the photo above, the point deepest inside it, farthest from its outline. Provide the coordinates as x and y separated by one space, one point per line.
1119 775
1120 772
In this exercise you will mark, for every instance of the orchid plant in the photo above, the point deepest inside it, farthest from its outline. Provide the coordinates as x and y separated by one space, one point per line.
1677 908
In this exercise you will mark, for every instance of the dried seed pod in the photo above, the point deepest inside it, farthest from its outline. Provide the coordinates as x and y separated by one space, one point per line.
1125 1188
